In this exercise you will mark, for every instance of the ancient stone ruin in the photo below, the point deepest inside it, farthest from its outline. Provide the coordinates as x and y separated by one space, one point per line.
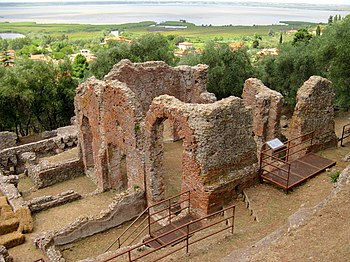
118 140
314 111
123 115
267 108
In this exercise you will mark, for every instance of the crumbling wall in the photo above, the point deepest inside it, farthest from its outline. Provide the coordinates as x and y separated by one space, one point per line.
127 206
151 79
13 159
7 139
45 202
267 108
47 173
109 117
314 111
219 156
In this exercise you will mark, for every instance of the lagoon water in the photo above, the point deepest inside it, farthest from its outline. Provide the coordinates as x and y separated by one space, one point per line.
198 13
11 35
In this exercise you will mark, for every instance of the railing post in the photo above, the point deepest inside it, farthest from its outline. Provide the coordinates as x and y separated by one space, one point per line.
149 222
189 201
288 176
342 136
118 242
129 254
187 236
233 219
287 153
169 210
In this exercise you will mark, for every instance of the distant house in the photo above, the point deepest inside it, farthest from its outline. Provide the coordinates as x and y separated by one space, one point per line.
109 39
268 52
180 53
39 57
236 45
185 45
86 53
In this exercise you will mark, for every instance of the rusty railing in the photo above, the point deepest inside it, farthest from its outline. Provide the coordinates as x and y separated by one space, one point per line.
280 159
132 253
165 209
345 133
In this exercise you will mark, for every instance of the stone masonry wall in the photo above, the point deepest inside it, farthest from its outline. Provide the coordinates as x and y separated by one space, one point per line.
45 173
7 139
109 117
151 79
314 112
110 114
219 153
127 206
13 159
267 108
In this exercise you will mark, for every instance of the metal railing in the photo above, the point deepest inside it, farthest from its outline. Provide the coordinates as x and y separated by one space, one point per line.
165 209
345 133
280 159
133 253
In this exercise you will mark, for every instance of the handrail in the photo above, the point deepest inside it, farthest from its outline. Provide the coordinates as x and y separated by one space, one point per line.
148 218
293 139
267 156
343 136
186 237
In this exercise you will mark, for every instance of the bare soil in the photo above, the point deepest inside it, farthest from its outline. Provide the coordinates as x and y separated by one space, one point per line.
324 238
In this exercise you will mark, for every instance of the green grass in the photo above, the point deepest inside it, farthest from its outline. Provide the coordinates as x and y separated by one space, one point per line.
196 34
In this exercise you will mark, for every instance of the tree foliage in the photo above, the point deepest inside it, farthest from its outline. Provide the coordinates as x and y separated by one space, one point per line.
36 96
327 55
227 69
150 47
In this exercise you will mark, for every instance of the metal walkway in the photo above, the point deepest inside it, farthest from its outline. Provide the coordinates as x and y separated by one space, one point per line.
290 175
166 235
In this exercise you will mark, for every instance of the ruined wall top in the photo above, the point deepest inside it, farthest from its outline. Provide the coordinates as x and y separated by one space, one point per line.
151 79
314 111
254 88
267 108
222 133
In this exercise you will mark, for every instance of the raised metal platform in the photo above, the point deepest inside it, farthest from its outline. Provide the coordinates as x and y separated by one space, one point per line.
292 174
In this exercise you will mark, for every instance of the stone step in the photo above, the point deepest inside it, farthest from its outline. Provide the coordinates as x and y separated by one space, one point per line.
8 225
12 239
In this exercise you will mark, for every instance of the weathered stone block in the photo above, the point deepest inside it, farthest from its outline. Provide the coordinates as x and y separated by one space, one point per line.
314 111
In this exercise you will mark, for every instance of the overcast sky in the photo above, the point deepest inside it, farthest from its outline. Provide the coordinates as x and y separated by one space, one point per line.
344 2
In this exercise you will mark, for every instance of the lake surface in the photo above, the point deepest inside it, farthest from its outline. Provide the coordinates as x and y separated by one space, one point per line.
11 35
198 13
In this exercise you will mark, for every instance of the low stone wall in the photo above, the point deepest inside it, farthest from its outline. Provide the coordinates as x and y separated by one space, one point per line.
45 202
7 139
125 207
17 203
47 173
13 159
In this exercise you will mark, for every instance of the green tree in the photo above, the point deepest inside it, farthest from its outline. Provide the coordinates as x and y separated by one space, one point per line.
80 66
152 47
227 69
256 41
36 96
318 30
333 58
281 38
330 20
287 71
302 36
108 57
